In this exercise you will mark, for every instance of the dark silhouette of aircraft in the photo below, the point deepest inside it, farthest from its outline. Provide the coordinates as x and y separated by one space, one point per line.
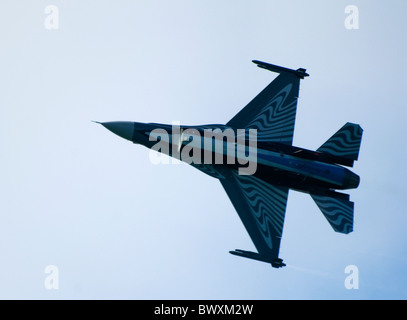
260 196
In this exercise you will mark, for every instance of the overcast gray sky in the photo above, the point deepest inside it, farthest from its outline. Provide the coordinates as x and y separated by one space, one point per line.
77 197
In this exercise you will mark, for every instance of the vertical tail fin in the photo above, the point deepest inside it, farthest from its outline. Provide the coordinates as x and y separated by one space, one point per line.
338 212
344 144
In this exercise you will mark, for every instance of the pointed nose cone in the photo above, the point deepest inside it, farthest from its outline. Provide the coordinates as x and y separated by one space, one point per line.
123 129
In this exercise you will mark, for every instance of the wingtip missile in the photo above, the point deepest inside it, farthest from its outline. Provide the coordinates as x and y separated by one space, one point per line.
301 72
276 263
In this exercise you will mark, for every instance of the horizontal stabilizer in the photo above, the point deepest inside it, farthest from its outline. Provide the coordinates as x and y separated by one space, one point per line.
338 212
344 144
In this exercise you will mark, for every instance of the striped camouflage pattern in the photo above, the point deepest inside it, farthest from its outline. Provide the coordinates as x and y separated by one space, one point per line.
338 212
272 112
261 207
345 142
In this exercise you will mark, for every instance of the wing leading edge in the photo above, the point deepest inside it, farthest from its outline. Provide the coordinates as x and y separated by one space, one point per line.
261 207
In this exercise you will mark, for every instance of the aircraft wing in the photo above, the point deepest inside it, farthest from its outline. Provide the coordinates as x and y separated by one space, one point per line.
272 112
261 207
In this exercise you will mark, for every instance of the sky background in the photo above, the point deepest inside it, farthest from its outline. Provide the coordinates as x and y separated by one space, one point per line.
74 195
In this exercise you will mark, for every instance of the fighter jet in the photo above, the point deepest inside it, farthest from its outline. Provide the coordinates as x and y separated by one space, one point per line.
258 164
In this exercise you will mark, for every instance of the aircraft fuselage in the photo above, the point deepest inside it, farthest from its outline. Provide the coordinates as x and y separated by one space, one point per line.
275 163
